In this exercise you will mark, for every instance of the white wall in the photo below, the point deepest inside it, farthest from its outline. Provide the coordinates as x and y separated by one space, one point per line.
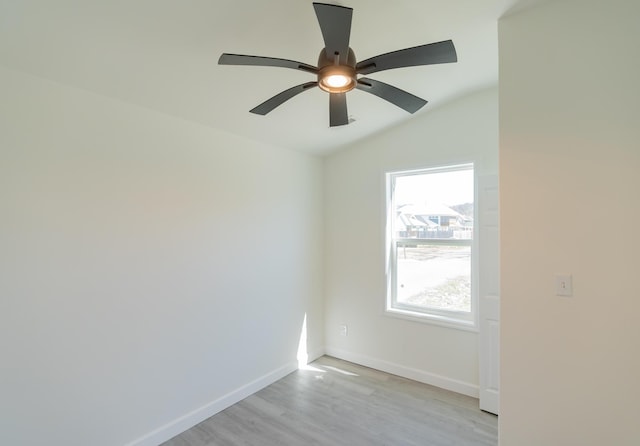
149 267
569 166
464 130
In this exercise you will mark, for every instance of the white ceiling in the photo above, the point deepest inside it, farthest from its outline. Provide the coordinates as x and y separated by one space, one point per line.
162 55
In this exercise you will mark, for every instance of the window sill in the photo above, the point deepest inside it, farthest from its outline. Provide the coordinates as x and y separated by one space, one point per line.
433 319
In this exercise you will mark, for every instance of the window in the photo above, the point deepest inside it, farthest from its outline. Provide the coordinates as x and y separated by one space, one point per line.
430 232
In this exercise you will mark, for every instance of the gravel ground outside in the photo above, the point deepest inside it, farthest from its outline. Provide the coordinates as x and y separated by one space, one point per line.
435 277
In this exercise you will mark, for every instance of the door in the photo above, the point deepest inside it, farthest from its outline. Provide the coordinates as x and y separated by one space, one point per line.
489 293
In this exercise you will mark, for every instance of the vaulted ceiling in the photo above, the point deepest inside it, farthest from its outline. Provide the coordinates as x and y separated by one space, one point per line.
162 55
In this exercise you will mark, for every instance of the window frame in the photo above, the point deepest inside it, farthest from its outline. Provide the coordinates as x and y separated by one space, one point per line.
453 319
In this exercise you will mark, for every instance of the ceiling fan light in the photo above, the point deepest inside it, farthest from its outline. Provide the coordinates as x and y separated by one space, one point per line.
337 78
336 81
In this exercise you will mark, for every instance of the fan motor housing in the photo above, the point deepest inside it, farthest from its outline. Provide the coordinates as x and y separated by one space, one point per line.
330 69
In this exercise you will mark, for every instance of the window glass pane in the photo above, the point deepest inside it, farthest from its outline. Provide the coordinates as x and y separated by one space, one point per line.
434 276
431 213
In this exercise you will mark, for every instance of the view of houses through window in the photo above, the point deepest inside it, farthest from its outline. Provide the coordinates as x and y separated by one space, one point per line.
431 222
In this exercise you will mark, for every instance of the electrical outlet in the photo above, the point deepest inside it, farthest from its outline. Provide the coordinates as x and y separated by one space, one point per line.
344 330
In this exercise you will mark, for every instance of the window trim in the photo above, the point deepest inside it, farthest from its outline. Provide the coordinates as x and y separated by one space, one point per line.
433 316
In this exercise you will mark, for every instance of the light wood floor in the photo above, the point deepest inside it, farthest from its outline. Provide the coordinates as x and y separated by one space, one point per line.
339 403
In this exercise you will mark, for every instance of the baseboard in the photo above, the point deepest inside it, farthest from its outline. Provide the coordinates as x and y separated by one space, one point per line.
433 379
190 419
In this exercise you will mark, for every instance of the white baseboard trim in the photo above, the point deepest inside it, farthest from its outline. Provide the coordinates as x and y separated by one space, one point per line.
196 416
433 379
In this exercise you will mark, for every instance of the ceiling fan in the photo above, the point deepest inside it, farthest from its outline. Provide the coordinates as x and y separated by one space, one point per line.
337 71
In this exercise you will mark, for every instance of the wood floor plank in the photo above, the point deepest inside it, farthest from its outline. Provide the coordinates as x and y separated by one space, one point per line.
334 402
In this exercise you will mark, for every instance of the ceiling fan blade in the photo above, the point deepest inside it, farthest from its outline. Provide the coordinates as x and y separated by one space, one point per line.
241 59
282 97
432 53
335 24
338 109
398 97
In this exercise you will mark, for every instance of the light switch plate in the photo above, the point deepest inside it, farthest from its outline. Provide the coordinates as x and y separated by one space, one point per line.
564 287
